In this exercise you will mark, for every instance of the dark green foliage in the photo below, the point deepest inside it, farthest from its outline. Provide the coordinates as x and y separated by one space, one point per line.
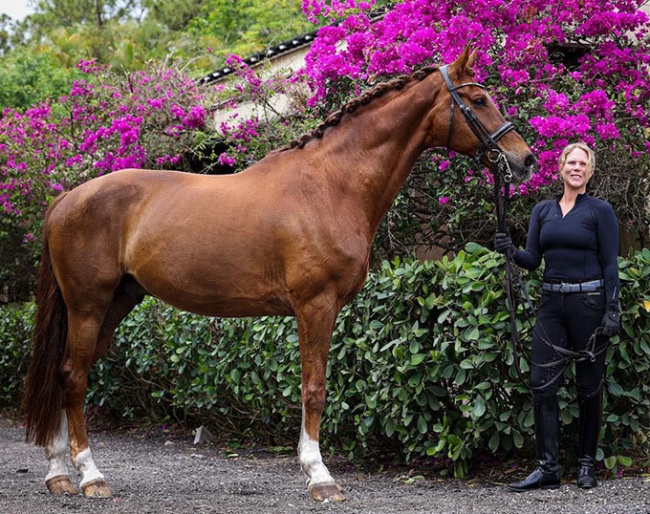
16 326
420 361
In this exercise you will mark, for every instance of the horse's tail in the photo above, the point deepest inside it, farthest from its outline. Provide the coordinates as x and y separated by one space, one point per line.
43 396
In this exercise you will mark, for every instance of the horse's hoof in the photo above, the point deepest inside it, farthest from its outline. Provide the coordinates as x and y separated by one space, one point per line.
61 485
97 489
330 491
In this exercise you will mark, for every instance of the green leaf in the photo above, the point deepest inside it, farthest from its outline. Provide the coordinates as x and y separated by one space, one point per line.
493 443
471 334
422 424
479 407
418 359
389 427
467 364
614 388
473 248
624 460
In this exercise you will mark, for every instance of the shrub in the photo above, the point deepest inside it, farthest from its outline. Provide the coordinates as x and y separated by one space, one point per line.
420 362
16 325
107 122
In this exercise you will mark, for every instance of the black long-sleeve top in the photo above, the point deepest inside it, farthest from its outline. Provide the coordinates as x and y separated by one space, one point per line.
579 247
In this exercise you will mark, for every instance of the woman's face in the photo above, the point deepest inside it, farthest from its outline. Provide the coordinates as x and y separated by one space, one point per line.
575 172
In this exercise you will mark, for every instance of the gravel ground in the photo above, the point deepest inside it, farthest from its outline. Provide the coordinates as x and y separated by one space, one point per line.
169 475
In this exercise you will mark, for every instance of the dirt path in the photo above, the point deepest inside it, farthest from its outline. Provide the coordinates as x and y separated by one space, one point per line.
163 476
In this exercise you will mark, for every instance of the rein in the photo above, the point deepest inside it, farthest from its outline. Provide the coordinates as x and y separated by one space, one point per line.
516 291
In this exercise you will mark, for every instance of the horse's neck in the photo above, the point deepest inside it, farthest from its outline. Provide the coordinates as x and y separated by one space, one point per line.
377 147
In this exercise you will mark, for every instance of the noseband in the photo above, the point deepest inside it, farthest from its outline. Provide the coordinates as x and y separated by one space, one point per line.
488 141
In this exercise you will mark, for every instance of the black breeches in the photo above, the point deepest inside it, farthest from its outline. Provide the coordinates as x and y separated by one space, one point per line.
567 321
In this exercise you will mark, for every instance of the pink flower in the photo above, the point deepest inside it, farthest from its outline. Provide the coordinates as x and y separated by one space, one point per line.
226 160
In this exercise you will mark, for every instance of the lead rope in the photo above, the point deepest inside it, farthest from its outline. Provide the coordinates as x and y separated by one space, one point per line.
501 203
517 293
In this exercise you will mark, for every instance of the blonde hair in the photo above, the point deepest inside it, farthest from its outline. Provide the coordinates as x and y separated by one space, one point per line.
591 156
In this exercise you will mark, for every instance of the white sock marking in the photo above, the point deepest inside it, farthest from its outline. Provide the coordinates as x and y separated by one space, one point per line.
56 450
310 458
86 466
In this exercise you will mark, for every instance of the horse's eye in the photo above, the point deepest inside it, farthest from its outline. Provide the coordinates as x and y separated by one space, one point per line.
479 102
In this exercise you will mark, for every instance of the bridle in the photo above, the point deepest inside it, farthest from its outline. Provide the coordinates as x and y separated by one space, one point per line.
489 144
517 293
488 141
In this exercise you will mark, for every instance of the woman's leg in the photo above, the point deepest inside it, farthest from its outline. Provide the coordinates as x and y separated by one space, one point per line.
546 375
589 309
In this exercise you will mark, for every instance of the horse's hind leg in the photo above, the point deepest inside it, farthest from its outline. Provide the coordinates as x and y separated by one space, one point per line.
81 342
57 480
93 482
83 334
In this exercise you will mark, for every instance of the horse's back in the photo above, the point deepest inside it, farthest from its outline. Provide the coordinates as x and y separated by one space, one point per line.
126 196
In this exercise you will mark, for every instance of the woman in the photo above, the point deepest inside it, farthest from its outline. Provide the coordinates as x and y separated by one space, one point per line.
577 236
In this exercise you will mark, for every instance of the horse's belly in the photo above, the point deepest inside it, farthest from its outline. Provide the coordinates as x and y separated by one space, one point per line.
217 289
230 308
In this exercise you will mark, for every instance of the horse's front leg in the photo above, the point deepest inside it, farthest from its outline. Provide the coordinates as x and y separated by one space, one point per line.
315 326
319 481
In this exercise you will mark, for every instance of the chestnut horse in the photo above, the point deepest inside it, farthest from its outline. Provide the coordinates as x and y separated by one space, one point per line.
291 235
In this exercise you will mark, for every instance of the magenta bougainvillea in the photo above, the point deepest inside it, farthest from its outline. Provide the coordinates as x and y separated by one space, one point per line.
106 122
606 93
601 98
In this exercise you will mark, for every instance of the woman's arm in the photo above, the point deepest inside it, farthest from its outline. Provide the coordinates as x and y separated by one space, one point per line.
531 257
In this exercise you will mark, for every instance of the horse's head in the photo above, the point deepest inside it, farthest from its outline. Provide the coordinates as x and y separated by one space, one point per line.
475 125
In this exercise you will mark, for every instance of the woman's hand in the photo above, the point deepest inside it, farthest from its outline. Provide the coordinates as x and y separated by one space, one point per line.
611 323
502 243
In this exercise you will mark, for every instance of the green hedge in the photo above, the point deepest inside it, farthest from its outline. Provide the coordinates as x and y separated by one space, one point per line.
16 326
421 362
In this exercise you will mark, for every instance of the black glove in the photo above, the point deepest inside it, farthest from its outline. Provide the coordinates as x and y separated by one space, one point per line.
502 243
611 323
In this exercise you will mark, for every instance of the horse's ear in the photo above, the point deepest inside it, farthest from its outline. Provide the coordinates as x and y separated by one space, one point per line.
465 61
471 60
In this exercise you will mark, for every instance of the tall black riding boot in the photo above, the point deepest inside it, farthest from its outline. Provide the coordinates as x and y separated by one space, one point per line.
591 408
547 433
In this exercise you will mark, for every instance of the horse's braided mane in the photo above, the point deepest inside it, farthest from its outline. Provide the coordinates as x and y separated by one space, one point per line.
377 91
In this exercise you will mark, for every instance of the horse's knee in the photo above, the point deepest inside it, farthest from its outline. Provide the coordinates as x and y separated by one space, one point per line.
75 385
